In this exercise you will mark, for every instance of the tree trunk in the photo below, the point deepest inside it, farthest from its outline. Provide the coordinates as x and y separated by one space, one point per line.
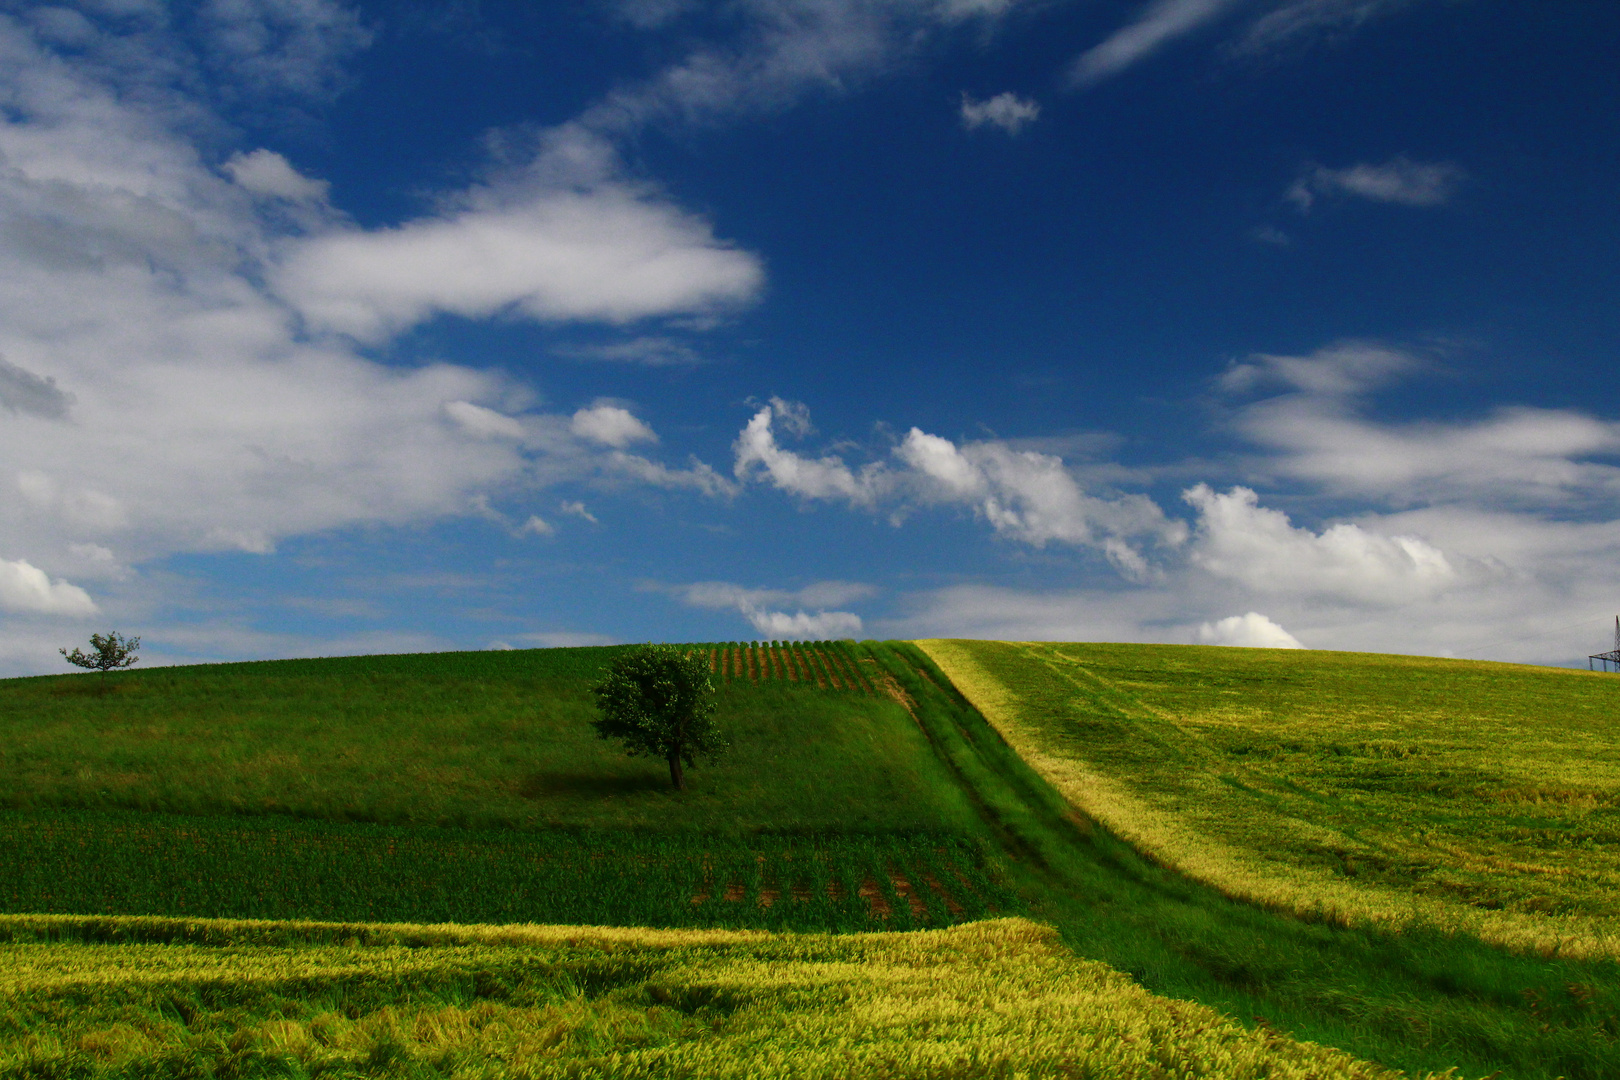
675 774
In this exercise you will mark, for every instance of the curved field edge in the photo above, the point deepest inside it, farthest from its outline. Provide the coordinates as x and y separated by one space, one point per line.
1248 875
94 997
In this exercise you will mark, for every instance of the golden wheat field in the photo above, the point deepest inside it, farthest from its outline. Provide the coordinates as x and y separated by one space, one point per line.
996 998
1484 797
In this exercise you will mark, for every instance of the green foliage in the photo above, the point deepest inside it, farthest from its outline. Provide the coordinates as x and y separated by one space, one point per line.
109 652
118 863
658 700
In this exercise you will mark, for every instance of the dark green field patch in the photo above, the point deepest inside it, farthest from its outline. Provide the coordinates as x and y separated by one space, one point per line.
113 863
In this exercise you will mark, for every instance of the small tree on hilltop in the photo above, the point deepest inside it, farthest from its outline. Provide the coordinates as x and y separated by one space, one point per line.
659 701
109 653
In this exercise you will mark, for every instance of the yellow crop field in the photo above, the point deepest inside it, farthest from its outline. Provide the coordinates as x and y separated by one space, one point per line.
1476 796
996 998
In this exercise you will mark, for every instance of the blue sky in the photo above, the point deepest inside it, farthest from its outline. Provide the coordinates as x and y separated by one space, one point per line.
331 328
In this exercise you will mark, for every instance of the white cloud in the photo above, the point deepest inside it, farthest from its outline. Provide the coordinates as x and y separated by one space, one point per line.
610 425
566 240
132 305
1024 495
1253 631
1400 181
799 625
268 174
1160 23
1238 539
1007 111
577 509
481 421
762 607
25 587
1534 458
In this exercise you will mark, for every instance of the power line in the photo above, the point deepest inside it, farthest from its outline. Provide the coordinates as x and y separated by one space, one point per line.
1532 637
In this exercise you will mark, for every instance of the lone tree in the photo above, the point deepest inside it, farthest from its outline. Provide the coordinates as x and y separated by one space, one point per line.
659 701
110 653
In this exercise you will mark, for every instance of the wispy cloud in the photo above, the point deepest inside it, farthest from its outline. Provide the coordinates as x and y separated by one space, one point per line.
1006 111
1400 180
1297 22
1160 23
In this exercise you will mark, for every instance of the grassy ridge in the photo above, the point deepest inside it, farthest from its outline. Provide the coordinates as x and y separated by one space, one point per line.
1417 1000
1485 796
479 740
992 999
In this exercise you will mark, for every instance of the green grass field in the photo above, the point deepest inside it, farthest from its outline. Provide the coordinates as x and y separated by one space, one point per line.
478 740
1375 786
470 787
994 999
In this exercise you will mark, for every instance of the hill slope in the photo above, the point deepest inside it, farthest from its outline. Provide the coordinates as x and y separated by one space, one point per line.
1485 796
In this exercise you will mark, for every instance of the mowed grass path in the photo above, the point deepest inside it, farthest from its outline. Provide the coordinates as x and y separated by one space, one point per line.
1459 792
477 740
152 997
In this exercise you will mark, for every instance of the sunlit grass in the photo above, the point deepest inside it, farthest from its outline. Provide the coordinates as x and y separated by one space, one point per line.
1480 796
992 999
485 740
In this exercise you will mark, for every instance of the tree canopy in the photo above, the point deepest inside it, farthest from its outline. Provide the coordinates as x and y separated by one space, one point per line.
108 653
659 701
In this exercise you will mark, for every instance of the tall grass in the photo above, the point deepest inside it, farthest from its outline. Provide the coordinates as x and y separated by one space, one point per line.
995 999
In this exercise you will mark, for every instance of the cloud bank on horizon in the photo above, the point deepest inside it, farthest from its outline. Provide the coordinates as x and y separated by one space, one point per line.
536 348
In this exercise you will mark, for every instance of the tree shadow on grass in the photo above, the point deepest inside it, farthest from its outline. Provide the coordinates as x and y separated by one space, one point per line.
591 785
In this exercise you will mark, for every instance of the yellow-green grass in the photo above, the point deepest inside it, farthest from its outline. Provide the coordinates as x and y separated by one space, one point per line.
104 998
483 740
1479 796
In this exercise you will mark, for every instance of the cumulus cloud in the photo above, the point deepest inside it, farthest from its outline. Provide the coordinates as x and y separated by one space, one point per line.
763 607
596 248
267 174
1253 631
1400 181
133 305
1238 539
1007 111
610 425
1160 23
1024 495
26 588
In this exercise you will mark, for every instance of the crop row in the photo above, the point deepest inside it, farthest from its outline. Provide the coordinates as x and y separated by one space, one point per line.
97 862
826 664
